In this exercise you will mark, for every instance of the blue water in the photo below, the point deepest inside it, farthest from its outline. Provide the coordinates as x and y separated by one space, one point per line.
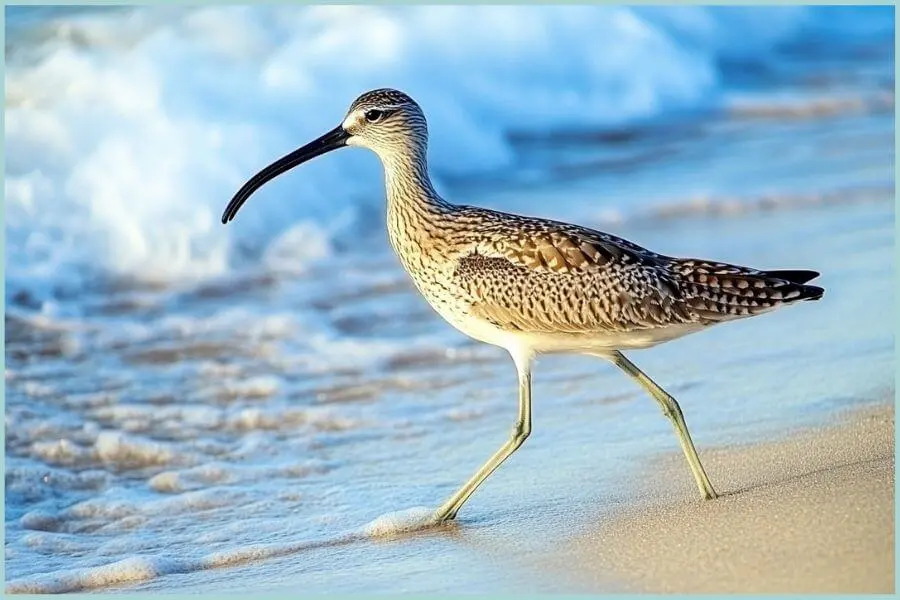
192 406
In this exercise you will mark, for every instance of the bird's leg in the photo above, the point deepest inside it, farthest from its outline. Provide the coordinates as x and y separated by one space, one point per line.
671 410
520 432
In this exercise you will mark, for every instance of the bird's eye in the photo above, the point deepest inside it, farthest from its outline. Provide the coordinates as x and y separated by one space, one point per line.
373 115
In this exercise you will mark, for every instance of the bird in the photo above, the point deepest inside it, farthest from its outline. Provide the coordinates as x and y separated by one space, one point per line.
536 286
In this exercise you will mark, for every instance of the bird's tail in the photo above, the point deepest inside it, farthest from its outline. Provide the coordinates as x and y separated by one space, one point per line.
793 276
719 291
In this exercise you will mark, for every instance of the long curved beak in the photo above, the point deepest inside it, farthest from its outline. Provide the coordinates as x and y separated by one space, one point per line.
334 139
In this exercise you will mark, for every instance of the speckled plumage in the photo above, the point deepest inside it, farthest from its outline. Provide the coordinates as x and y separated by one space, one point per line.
541 276
538 276
535 285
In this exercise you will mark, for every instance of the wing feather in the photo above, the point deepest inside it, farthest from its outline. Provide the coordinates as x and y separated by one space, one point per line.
569 282
546 276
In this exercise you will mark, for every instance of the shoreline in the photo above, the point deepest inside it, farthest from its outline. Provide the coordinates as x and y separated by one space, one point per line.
810 512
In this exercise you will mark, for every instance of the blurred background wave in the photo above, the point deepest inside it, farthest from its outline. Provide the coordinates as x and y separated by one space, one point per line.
128 129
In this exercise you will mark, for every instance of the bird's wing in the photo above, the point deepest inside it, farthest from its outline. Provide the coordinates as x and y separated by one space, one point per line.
541 276
546 276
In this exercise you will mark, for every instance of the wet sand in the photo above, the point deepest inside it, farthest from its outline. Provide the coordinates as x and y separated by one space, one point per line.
812 513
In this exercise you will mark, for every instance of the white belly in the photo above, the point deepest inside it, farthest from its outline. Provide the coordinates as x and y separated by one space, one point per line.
595 342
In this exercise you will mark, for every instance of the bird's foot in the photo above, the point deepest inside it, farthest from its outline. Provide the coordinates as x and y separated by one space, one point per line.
711 494
442 516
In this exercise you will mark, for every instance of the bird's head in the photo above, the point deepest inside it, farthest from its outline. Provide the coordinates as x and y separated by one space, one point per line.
386 121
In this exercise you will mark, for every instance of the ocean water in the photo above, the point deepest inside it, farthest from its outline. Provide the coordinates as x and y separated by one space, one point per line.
192 406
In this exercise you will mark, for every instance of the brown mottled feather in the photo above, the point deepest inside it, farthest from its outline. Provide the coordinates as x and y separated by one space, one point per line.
541 276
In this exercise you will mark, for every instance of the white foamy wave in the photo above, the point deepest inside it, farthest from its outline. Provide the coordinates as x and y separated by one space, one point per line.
401 521
137 569
128 130
129 570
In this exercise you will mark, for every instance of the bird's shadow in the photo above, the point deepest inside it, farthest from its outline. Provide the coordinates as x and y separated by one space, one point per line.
764 485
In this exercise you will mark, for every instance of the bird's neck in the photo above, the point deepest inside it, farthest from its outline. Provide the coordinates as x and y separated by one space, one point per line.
410 193
415 211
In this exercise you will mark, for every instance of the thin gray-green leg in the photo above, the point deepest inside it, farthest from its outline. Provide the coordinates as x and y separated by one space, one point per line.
520 433
671 410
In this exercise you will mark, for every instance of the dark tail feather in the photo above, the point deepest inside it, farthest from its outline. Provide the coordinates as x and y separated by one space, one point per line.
798 278
719 292
794 276
811 292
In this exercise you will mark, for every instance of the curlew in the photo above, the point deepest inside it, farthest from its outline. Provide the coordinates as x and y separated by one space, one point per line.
533 285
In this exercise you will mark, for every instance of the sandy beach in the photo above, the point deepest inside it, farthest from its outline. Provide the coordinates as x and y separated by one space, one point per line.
812 513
